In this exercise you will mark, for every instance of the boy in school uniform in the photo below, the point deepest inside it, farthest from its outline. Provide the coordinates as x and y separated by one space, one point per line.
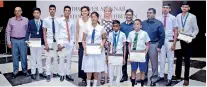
138 40
35 31
117 41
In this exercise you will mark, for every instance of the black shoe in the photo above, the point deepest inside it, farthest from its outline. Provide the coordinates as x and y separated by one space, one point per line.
14 76
69 78
48 78
26 74
62 78
169 83
33 76
124 79
159 79
55 75
41 75
142 83
152 84
139 80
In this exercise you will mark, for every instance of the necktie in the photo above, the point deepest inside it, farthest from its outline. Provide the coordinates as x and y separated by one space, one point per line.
38 26
93 36
68 31
165 18
114 44
53 29
135 41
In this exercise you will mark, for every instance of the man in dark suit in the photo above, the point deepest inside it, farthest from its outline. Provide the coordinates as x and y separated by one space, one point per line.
35 31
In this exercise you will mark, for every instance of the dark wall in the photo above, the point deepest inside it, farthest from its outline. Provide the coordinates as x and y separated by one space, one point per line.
198 8
8 11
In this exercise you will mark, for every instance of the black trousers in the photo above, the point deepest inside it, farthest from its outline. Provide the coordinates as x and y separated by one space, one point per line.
124 67
81 73
185 52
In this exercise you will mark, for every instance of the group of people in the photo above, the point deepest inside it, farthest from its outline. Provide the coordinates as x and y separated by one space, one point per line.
154 36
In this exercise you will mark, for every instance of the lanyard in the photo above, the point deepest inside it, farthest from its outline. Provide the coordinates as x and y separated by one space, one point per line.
183 24
38 26
116 39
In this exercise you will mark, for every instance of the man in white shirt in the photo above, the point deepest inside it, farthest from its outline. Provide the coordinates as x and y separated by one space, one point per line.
50 27
66 41
168 48
187 24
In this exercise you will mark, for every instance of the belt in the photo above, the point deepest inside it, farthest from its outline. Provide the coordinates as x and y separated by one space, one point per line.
153 42
171 40
18 38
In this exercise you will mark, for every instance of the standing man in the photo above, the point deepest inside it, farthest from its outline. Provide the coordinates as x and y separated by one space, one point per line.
35 31
66 36
127 27
187 24
16 32
168 21
156 33
50 27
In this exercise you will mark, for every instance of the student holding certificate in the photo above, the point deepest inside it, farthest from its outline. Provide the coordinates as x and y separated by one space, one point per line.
66 42
138 41
187 25
115 55
35 31
94 38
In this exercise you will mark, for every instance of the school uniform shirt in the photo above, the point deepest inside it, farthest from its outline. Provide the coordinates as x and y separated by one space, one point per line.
191 27
63 33
169 26
143 37
47 23
121 40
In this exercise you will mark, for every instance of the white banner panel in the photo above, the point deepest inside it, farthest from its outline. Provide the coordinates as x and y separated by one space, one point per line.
119 8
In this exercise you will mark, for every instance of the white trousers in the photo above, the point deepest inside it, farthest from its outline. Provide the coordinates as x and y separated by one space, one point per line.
166 50
52 54
65 69
118 74
36 59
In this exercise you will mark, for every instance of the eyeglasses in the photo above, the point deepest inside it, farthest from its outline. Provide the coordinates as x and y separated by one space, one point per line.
149 12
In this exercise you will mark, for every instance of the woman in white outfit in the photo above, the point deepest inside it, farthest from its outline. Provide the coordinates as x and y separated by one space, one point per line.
94 34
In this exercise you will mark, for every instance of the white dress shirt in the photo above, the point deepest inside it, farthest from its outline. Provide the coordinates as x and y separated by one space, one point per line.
63 33
170 25
191 27
142 39
121 40
47 23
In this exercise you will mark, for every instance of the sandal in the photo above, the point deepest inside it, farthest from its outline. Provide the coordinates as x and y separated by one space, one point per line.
102 80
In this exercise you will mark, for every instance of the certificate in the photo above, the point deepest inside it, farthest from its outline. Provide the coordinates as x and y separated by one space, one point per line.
115 59
34 42
93 49
185 37
63 53
177 46
137 56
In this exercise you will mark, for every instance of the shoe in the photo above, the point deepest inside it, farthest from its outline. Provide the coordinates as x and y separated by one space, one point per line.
55 75
186 83
62 78
139 80
41 75
26 74
152 84
159 79
33 76
124 79
14 76
69 78
169 83
48 78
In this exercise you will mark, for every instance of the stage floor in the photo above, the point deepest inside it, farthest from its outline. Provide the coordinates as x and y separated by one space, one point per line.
197 75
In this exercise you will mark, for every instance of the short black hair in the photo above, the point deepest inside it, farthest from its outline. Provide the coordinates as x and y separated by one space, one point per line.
129 10
67 7
86 8
116 22
154 11
185 3
36 9
166 4
52 6
138 20
96 13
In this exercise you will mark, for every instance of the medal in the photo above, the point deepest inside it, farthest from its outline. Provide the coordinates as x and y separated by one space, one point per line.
184 22
37 32
183 30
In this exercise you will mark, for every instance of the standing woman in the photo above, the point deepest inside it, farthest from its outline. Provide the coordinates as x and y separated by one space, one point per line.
94 34
107 23
81 25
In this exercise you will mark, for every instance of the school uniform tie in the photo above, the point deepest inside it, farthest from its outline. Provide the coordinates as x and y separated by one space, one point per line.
53 29
135 41
114 43
93 36
165 19
68 31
